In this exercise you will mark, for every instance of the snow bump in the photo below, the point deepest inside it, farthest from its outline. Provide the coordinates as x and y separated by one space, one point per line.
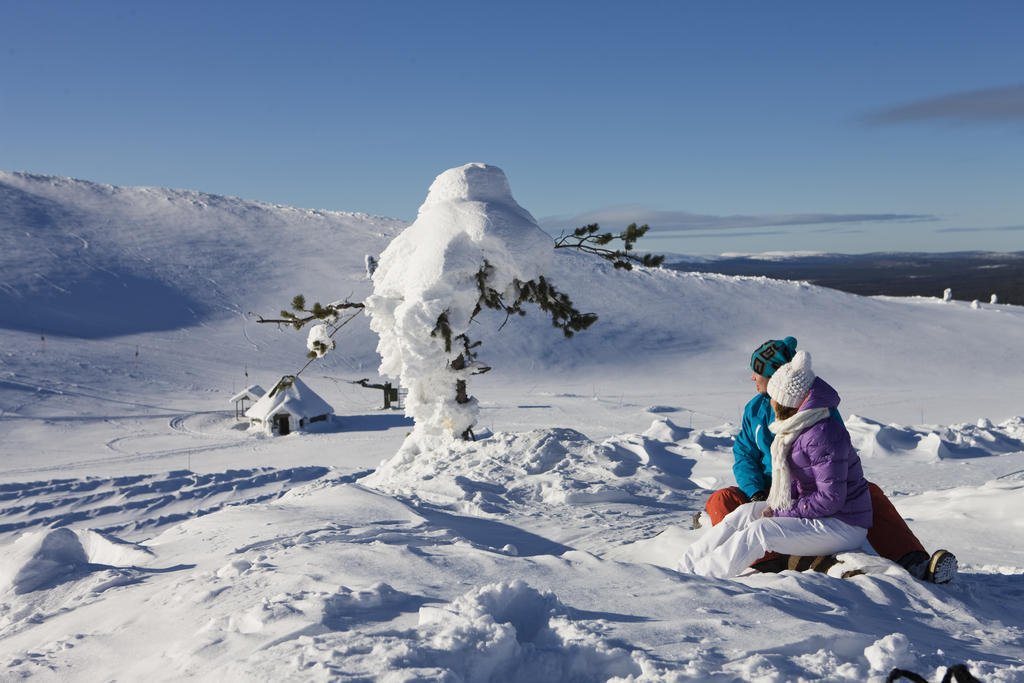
44 558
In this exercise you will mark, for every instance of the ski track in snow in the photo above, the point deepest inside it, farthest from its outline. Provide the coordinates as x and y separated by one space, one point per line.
178 422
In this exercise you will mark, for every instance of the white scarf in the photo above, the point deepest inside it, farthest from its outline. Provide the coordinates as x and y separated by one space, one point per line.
781 496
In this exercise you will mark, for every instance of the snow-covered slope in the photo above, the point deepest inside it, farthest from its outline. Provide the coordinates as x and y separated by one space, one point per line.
147 535
88 260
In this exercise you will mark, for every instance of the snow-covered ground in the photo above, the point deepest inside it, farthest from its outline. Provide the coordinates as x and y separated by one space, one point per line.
145 533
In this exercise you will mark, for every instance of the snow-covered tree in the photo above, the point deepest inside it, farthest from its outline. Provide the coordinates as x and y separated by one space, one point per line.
947 295
471 247
994 299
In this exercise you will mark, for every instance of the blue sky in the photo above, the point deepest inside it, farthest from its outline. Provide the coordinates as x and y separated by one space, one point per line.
727 126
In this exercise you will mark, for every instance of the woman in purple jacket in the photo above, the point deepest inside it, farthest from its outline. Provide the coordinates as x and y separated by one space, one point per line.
819 502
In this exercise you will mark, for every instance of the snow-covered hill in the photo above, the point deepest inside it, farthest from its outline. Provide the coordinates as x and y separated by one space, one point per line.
148 536
89 260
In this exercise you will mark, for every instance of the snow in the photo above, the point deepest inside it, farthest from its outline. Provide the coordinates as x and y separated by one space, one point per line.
146 536
319 340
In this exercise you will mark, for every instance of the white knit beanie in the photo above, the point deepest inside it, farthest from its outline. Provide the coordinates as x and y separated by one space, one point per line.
791 383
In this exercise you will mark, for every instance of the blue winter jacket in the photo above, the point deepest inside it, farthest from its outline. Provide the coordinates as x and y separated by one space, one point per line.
752 455
751 451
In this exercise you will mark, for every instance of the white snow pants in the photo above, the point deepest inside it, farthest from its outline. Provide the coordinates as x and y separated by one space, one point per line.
744 536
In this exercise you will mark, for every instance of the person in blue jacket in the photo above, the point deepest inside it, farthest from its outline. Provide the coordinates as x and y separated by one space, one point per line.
752 467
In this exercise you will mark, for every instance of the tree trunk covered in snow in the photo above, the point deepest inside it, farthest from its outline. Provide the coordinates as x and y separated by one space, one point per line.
462 394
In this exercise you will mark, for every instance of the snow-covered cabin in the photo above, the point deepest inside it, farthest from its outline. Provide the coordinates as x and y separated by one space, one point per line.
290 405
242 399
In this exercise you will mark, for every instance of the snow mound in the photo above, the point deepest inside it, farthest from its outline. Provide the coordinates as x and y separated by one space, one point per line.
512 632
502 632
666 430
545 466
102 548
44 558
981 439
346 601
887 653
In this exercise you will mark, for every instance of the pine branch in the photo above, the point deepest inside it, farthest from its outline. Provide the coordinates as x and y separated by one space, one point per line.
330 312
540 292
587 239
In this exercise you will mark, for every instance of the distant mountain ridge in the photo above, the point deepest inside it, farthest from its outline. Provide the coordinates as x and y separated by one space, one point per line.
971 275
91 260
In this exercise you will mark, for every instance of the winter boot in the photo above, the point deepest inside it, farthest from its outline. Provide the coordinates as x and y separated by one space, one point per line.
941 567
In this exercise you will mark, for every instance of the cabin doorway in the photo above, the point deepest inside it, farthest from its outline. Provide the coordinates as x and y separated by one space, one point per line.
281 424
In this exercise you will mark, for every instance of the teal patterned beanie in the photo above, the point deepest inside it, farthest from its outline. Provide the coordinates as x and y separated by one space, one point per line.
772 355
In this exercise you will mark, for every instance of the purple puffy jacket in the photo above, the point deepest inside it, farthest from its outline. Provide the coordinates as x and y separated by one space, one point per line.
828 480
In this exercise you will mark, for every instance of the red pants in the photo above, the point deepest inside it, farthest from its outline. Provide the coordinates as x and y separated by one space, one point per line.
889 535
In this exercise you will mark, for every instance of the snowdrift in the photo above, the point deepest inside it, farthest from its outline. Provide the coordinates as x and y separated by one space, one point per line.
520 471
41 559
